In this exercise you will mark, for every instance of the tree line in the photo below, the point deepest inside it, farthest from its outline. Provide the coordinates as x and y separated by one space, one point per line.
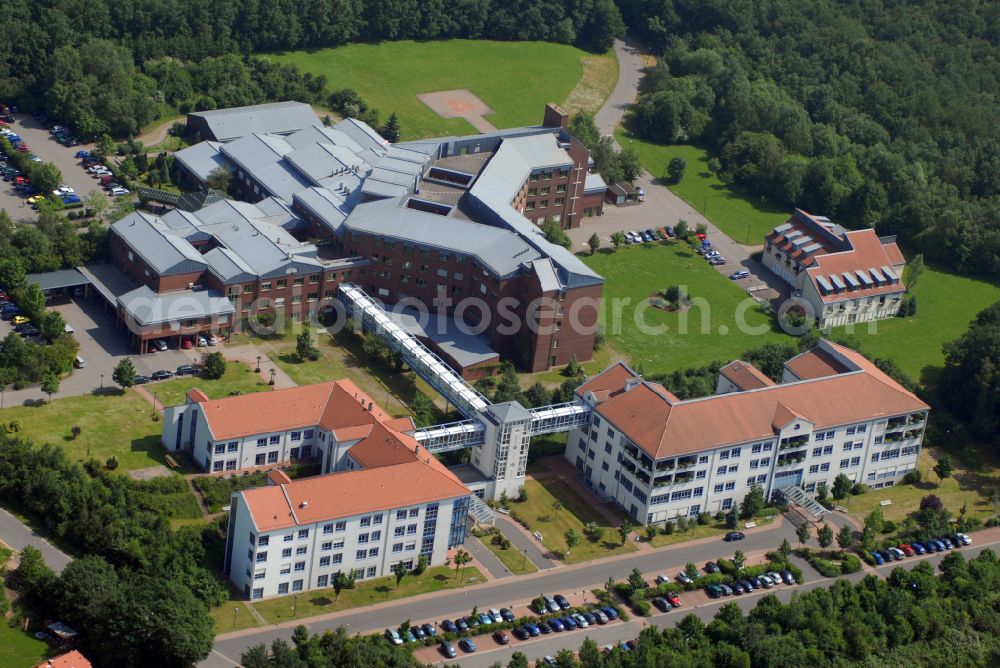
142 590
111 67
876 115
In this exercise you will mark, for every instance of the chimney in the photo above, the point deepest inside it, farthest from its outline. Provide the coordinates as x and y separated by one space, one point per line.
371 406
304 504
555 117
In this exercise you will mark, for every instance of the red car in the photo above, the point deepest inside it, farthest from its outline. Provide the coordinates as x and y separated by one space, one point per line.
701 237
186 344
674 599
907 550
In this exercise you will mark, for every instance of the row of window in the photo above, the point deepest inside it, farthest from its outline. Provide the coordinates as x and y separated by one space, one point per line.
545 190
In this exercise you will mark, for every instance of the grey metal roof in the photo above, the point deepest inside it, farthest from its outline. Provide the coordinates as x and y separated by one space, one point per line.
452 338
149 308
328 207
363 134
165 253
545 271
61 278
261 157
201 159
276 117
499 250
594 183
510 411
382 188
326 161
391 164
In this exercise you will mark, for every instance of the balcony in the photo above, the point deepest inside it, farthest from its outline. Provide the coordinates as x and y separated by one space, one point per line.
663 480
667 465
687 462
642 476
916 418
791 458
684 477
793 442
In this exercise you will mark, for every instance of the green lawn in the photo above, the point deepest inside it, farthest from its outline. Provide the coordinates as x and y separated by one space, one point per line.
239 377
515 561
120 425
541 515
504 75
721 327
731 211
368 592
232 616
112 425
698 531
968 485
946 304
19 649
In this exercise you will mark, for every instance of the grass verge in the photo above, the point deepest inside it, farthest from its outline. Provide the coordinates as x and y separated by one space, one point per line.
239 378
516 562
600 74
540 513
368 592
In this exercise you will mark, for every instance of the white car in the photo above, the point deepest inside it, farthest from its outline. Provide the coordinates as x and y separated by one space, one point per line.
393 637
160 344
202 341
965 538
118 192
662 579
496 616
66 190
213 340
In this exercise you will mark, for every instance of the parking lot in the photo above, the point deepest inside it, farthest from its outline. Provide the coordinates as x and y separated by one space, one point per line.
102 345
41 143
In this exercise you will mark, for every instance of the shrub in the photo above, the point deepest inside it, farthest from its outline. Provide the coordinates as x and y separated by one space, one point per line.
641 608
726 566
860 488
889 526
704 518
850 564
111 464
913 477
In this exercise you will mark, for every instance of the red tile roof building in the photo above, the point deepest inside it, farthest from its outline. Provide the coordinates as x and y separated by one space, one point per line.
68 660
844 276
659 457
382 498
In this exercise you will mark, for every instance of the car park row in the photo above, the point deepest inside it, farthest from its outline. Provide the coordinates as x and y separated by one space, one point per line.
919 548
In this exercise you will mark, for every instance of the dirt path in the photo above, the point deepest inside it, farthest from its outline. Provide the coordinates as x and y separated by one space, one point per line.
159 133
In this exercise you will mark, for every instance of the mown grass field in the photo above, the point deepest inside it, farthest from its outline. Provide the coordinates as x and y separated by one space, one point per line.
504 75
946 304
722 324
514 560
119 425
540 513
731 211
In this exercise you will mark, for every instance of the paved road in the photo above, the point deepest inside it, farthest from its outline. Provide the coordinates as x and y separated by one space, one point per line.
487 560
506 592
630 73
614 633
17 536
512 530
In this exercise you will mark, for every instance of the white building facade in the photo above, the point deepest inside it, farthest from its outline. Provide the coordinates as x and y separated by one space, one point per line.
710 452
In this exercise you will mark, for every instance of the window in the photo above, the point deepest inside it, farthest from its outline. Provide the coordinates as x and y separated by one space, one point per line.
301 549
326 547
819 436
361 554
366 521
297 585
272 457
288 538
286 570
327 529
814 468
874 456
397 547
286 553
756 448
754 463
414 512
699 475
220 448
730 486
849 431
768 446
824 467
733 468
340 526
338 558
373 552
703 459
831 433
878 440
607 448
761 479
322 580
400 514
724 454
263 541
307 434
324 561
283 588
765 461
259 459
217 466
372 571
296 435
376 535
828 450
399 531
721 470
261 556
750 481
261 442
303 533
362 538
727 504
847 447
717 489
411 530
855 461
231 465
265 286
735 452
862 428
275 440
233 446
260 575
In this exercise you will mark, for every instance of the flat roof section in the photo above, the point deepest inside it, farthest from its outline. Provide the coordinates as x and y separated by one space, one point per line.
56 280
472 163
466 349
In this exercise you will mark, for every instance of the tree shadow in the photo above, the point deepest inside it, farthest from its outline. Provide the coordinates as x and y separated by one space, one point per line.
608 545
383 589
290 358
321 601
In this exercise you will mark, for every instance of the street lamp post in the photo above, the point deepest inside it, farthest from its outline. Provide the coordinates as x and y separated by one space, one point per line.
524 557
235 611
102 381
257 369
271 382
295 605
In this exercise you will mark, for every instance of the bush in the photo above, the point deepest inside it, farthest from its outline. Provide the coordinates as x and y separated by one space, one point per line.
825 568
860 488
641 608
888 527
704 518
726 566
913 477
850 564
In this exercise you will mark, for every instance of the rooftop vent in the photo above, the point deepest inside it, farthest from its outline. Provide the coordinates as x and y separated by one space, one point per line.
304 504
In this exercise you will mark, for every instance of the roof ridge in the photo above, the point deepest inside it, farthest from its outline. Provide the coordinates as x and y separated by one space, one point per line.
291 508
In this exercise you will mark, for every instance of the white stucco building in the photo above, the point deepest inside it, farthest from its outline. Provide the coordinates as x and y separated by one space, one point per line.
845 276
659 457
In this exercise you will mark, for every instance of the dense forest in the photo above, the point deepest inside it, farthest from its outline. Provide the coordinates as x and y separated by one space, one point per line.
109 67
876 114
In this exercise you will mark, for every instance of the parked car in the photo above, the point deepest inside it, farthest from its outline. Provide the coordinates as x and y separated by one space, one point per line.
417 632
917 548
561 600
556 625
602 618
550 604
713 590
726 590
738 275
506 614
119 192
661 579
674 599
521 633
484 618
544 627
568 623
467 645
662 604
501 638
532 630
734 536
462 624
711 567
550 661
610 612
449 626
966 540
447 649
589 616
788 577
683 578
393 637
161 375
20 320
